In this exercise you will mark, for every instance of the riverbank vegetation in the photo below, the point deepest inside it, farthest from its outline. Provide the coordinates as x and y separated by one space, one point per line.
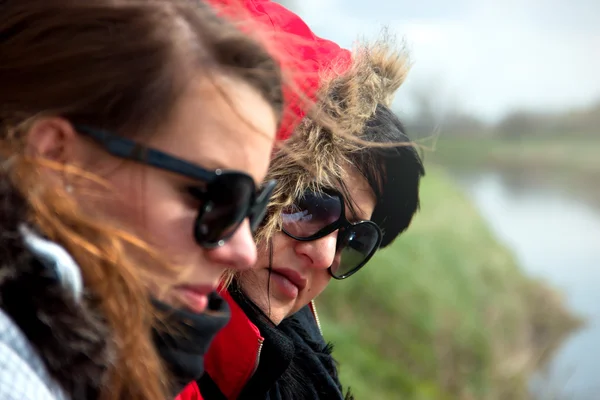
562 155
444 313
562 143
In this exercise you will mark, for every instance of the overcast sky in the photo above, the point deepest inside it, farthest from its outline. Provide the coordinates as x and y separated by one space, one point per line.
484 56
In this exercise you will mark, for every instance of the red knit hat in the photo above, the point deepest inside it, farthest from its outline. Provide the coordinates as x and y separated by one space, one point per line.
304 57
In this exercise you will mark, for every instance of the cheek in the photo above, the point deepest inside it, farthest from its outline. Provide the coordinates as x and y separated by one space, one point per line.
119 201
254 284
320 280
169 226
283 246
168 223
255 280
148 205
280 248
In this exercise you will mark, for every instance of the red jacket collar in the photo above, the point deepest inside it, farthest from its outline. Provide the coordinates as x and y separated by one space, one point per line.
191 392
233 354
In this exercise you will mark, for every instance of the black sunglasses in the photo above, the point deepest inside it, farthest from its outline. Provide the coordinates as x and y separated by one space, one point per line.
226 200
317 214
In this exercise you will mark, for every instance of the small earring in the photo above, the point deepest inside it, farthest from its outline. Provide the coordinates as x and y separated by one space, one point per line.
69 188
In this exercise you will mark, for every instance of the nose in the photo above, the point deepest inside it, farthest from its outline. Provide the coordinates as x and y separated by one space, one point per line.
318 253
239 252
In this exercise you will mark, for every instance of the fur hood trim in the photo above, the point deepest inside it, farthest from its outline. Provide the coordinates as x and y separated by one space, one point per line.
316 157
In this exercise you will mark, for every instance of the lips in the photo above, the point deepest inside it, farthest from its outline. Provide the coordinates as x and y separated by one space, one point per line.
294 277
195 297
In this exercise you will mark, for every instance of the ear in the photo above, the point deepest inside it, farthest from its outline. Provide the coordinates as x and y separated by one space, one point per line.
52 138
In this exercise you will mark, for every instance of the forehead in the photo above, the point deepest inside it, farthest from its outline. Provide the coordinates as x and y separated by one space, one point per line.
221 123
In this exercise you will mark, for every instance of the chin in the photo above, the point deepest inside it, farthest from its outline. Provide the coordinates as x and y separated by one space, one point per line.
277 316
275 310
281 311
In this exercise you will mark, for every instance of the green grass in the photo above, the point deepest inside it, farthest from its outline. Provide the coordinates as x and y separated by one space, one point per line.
443 314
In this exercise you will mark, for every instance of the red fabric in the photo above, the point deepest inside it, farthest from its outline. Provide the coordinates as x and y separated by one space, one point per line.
191 392
302 55
232 356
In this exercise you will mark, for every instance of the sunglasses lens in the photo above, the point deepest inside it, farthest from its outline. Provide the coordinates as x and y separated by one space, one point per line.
259 210
226 204
355 245
311 213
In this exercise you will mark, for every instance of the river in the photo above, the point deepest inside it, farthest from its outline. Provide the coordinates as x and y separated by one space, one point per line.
554 234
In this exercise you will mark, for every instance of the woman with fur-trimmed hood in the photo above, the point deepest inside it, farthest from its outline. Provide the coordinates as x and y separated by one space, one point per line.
339 199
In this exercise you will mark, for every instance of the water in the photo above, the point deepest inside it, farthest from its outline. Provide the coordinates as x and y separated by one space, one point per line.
554 234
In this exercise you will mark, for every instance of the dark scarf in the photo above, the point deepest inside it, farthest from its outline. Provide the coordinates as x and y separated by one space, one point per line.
295 362
186 338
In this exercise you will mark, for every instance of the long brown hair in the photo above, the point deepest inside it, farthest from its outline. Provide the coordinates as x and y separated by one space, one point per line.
118 65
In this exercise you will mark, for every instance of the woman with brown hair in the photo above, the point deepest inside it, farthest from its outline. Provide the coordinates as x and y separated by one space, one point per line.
133 137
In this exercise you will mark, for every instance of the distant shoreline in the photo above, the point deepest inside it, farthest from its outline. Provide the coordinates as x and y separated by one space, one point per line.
564 155
564 163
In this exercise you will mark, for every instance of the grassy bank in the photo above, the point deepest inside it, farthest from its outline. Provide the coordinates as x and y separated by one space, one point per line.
444 313
563 153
